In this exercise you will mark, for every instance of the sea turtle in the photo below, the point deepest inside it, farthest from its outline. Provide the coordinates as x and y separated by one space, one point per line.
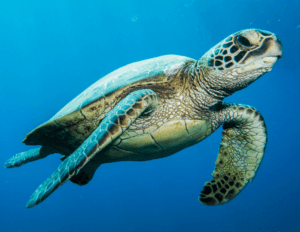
157 107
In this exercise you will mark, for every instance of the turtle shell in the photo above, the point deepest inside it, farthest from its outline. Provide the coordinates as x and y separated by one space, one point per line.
67 129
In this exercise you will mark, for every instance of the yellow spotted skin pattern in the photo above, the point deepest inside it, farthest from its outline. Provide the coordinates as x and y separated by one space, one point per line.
240 154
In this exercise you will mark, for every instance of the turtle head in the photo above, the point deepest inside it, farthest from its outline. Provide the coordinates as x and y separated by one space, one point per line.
242 58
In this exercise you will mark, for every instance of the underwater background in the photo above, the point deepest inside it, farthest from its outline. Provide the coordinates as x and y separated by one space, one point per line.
50 51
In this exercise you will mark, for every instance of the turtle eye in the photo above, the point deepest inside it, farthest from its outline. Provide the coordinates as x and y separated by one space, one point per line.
244 41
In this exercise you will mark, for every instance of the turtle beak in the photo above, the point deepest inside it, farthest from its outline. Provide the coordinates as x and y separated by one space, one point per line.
279 47
274 52
275 47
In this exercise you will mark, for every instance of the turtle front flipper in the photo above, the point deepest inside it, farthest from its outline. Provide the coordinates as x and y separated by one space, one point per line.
111 127
28 156
240 154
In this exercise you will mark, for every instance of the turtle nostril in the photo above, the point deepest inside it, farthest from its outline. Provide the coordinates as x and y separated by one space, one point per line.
279 47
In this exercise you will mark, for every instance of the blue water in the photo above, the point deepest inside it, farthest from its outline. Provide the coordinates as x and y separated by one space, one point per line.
50 51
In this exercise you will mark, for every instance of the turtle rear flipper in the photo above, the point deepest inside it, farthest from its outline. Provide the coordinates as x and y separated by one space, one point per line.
240 154
110 128
29 156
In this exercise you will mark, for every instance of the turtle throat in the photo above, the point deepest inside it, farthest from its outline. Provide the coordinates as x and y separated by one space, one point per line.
204 90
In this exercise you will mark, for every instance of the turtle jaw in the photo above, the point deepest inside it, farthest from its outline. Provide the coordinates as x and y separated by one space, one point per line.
265 63
270 60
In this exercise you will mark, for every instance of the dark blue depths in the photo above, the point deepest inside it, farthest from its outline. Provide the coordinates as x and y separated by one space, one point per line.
50 52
